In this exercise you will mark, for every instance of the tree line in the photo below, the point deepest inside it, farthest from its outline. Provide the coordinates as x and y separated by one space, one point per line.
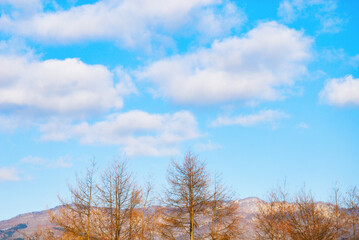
194 205
302 218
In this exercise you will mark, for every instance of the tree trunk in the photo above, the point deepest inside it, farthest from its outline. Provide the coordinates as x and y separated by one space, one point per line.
191 222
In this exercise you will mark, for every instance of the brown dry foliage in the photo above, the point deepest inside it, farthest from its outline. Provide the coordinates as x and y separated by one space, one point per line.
112 210
223 212
351 202
78 217
302 219
185 198
193 208
271 218
307 221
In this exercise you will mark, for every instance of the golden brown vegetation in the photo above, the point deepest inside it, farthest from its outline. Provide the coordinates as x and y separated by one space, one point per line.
224 213
185 198
305 219
193 207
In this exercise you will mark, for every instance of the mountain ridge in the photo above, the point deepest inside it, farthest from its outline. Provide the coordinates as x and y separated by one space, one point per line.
28 223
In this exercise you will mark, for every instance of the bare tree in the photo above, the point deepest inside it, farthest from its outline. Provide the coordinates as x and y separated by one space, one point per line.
223 212
271 219
149 217
78 217
109 210
134 214
185 198
351 202
306 220
337 213
119 197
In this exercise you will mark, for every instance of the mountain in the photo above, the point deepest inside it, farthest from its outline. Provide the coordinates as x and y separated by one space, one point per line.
25 224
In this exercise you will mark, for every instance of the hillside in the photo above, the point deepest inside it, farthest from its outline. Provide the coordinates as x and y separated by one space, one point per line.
25 223
14 228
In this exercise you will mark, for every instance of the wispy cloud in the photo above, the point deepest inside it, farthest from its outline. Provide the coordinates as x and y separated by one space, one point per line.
265 116
302 125
331 24
340 56
60 162
255 67
207 146
322 10
8 174
33 160
8 125
25 6
354 61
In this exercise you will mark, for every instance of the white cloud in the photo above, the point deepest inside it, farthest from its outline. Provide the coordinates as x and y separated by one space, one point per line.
339 56
16 46
33 160
9 174
265 116
331 24
354 61
7 124
290 10
214 23
132 22
207 146
125 85
322 10
61 162
24 5
58 87
341 92
302 125
254 67
138 132
286 10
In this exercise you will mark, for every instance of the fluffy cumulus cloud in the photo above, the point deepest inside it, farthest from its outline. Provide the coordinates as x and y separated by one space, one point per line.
341 92
212 22
265 116
132 22
9 174
57 87
138 132
253 67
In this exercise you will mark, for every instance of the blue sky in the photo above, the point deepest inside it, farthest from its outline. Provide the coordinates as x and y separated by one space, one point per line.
263 91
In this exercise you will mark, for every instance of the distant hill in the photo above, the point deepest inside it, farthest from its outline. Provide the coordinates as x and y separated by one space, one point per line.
29 222
25 223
